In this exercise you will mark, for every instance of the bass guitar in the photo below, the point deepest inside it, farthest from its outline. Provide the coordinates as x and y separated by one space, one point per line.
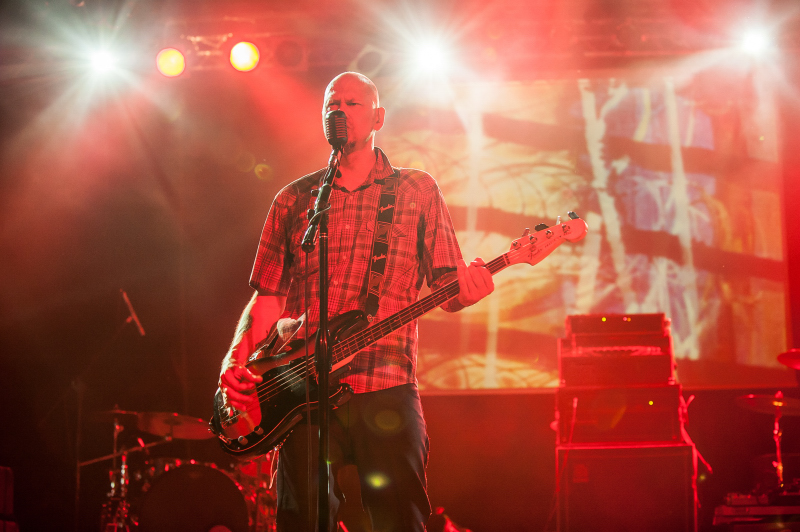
283 365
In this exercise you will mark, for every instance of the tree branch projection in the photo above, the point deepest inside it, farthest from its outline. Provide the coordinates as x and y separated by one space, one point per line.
640 165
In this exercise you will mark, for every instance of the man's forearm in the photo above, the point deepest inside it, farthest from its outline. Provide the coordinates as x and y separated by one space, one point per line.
258 316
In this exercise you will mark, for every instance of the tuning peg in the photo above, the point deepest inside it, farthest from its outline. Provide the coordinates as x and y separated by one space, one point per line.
541 227
572 215
526 232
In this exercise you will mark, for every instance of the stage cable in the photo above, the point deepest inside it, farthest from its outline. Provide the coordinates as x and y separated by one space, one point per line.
561 472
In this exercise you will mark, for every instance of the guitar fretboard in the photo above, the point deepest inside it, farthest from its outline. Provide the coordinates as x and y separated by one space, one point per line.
375 332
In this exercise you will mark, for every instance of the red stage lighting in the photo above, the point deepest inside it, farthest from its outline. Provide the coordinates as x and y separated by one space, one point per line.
170 62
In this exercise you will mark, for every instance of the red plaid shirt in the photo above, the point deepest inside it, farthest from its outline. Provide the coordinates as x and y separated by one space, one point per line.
423 246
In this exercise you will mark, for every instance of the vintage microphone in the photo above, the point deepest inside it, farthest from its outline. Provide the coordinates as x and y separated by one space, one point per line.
336 129
336 133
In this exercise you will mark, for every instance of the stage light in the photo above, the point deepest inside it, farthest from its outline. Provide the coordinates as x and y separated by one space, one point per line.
170 62
244 56
755 42
103 61
431 57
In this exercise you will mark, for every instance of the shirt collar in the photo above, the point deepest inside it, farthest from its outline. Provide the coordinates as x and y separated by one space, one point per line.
380 171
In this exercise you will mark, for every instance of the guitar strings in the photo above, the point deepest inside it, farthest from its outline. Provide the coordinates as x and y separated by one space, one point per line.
289 377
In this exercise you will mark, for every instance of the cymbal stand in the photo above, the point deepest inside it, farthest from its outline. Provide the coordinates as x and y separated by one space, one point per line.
114 515
776 435
112 472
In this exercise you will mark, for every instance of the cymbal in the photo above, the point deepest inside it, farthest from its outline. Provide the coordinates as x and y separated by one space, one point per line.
769 404
174 425
105 416
790 358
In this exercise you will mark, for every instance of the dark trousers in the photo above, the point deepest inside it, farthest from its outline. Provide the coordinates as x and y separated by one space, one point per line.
383 433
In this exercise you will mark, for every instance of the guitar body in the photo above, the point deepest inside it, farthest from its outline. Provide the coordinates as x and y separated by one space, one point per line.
282 393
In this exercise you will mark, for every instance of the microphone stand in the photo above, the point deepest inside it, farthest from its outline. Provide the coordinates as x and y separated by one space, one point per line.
318 222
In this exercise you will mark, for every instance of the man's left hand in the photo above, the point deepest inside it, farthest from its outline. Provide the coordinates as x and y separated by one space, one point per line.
474 282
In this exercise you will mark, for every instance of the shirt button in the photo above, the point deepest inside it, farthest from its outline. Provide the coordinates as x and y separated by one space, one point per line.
347 226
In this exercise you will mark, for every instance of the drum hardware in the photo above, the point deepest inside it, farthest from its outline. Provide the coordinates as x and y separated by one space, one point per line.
149 497
116 515
778 406
174 425
790 358
115 512
257 479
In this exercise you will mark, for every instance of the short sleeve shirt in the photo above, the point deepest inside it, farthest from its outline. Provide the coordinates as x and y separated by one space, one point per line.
423 247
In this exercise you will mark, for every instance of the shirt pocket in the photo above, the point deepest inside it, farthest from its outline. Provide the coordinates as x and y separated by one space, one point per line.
403 247
403 264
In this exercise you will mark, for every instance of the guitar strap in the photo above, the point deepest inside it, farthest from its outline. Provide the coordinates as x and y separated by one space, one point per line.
380 244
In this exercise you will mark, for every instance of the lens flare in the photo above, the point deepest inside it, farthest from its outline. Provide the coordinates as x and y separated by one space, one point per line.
377 480
388 420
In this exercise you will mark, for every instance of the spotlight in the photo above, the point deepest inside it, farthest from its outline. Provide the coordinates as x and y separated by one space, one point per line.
431 56
170 62
755 42
103 61
244 56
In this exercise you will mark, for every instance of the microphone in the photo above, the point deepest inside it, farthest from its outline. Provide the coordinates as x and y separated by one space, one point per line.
336 128
132 313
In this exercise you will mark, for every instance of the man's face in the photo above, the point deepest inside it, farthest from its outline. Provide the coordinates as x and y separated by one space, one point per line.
358 102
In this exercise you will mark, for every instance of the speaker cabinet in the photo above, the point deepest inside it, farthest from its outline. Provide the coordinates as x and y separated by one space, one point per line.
626 488
611 416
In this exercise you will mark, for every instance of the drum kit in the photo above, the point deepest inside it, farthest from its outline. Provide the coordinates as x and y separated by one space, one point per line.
168 494
778 406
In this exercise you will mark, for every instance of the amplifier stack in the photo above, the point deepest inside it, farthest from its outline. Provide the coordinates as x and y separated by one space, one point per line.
622 462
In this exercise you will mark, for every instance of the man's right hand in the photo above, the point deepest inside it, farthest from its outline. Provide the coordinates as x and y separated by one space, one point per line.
239 386
237 383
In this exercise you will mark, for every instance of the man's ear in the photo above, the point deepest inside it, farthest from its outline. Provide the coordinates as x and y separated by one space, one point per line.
380 114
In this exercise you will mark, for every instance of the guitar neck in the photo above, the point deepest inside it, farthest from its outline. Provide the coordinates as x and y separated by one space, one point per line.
375 332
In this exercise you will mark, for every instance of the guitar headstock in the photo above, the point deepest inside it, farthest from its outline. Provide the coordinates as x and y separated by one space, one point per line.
533 247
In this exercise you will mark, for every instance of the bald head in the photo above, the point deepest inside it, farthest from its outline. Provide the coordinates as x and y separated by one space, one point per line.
354 79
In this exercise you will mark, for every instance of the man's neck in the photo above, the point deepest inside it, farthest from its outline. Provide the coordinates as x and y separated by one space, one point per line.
355 168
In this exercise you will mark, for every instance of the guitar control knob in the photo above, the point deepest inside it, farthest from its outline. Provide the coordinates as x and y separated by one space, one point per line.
259 431
242 440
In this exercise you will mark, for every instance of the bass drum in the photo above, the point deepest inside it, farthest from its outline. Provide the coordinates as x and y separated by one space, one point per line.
193 498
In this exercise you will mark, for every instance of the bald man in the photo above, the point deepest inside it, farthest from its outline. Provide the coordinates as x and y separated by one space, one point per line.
381 429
